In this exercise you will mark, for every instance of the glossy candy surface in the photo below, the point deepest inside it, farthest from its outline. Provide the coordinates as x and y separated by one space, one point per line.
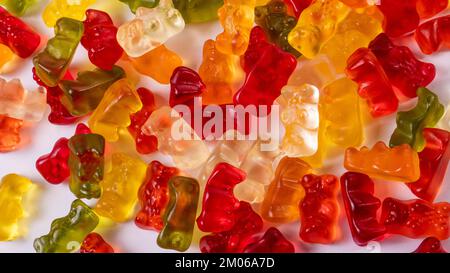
273 241
94 243
58 9
179 217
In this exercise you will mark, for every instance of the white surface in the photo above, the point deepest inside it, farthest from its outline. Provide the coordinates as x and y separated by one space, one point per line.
54 201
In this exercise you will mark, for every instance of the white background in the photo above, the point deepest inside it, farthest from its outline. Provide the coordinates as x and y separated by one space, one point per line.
53 201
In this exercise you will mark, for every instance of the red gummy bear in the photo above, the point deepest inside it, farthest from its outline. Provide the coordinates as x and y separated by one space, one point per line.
266 74
219 203
94 243
154 196
272 241
416 218
99 39
433 35
298 6
185 86
433 164
319 209
54 166
430 245
404 71
17 35
59 114
145 144
361 207
429 8
400 16
247 224
364 68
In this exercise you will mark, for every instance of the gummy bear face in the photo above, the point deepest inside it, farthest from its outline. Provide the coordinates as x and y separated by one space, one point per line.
150 29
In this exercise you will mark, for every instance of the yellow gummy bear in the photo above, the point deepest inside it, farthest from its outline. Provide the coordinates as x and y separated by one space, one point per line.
355 31
12 191
316 25
57 9
119 102
6 55
120 187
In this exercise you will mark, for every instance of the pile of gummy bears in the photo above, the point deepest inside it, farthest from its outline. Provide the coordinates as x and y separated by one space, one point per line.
328 65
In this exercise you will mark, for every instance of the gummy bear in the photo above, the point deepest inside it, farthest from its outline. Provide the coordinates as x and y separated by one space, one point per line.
120 187
273 241
99 39
67 233
277 24
6 56
179 216
364 68
429 8
114 110
316 25
430 245
236 18
19 103
319 209
404 71
198 11
158 64
154 195
434 160
94 243
54 166
361 207
433 35
219 204
280 204
13 189
58 114
145 144
83 95
247 224
410 124
135 4
258 167
400 17
416 218
267 75
218 72
187 153
230 150
355 31
17 35
400 163
300 117
17 7
51 64
86 162
340 114
9 133
58 9
150 29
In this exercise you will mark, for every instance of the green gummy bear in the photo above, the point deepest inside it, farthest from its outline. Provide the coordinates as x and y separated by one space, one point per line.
82 96
17 7
179 216
198 11
410 124
51 64
277 24
86 163
67 233
134 4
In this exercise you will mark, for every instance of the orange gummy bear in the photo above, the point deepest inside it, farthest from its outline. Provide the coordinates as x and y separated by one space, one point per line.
9 133
400 163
